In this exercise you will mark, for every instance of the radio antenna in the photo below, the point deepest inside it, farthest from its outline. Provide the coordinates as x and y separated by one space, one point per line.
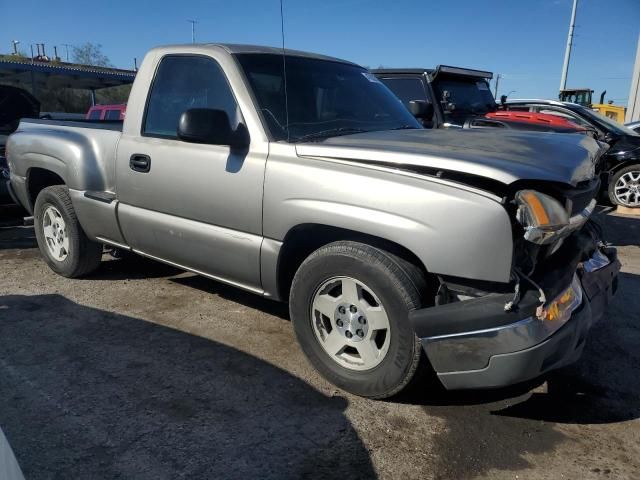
284 70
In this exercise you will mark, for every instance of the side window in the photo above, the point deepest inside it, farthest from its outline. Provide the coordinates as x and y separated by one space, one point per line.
112 115
95 114
572 118
183 82
517 108
406 88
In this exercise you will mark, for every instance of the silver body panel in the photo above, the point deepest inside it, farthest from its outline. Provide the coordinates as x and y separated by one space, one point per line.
411 210
225 215
82 157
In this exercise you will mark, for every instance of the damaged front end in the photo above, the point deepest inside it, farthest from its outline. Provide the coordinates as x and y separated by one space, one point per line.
483 335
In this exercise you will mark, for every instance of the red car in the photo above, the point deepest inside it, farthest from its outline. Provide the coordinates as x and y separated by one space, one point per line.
107 112
536 121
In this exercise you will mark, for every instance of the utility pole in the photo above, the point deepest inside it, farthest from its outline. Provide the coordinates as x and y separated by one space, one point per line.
633 108
495 95
567 52
15 46
66 46
193 30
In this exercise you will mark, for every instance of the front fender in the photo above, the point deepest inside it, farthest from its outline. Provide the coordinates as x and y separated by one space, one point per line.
452 229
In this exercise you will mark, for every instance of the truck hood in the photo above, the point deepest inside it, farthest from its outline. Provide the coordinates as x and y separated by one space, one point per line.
505 156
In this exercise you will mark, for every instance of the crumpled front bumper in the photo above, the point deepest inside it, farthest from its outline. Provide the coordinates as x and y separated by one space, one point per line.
476 344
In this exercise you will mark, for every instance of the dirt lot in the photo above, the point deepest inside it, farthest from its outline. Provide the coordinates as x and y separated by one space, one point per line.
143 371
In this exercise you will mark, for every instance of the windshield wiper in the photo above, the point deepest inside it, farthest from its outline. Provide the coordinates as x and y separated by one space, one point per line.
333 132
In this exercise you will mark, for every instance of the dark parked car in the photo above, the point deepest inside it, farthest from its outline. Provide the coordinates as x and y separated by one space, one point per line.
15 103
620 166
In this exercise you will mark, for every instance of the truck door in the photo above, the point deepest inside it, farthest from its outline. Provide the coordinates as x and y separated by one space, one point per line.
194 205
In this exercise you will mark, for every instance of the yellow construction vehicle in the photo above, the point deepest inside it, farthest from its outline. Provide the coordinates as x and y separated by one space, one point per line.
583 96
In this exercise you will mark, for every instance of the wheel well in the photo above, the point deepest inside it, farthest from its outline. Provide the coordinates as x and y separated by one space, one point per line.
38 179
619 166
302 240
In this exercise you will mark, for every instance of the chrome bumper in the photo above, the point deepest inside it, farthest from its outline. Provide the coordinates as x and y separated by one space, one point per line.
529 347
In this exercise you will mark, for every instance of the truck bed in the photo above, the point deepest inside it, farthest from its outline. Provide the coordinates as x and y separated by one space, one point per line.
81 152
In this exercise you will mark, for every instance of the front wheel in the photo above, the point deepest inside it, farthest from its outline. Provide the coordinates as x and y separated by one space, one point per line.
624 187
349 306
62 242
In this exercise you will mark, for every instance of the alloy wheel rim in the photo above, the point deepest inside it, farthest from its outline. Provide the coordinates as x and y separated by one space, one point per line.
54 230
627 189
350 323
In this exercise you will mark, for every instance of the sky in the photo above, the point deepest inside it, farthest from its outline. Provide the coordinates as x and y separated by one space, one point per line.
523 40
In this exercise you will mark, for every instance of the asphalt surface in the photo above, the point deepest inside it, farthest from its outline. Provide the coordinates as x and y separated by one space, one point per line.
143 371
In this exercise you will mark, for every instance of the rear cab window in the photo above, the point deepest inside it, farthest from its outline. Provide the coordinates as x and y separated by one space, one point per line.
407 88
112 115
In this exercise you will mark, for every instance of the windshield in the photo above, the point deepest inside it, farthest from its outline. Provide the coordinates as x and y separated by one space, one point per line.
462 98
607 124
581 98
325 98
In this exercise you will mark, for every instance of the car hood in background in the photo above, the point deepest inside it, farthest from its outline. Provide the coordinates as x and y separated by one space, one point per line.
16 103
505 156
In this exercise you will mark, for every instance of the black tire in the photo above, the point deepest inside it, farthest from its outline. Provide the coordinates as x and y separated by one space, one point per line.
398 284
84 255
614 179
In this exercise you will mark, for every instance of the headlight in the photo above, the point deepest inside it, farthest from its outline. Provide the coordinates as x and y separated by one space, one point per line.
543 218
563 305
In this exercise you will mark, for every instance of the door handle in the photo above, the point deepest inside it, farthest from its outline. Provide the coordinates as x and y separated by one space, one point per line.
140 162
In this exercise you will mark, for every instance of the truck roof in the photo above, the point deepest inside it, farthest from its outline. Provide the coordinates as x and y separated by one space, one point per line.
544 101
467 72
402 70
237 48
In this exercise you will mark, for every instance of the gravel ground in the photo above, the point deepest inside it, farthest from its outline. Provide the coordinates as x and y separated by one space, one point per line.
144 371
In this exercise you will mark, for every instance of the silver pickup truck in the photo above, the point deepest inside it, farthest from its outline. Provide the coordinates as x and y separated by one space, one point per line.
399 249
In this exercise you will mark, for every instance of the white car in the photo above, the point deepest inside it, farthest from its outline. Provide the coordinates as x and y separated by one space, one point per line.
635 126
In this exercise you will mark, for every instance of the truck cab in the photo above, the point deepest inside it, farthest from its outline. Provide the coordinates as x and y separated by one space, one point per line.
454 97
456 94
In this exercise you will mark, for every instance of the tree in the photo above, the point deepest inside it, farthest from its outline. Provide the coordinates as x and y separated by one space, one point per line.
91 54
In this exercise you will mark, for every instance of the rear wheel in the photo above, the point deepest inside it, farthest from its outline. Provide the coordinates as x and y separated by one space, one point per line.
349 306
62 242
624 187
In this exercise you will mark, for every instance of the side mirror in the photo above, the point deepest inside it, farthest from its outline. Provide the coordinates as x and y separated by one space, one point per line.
421 109
211 126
